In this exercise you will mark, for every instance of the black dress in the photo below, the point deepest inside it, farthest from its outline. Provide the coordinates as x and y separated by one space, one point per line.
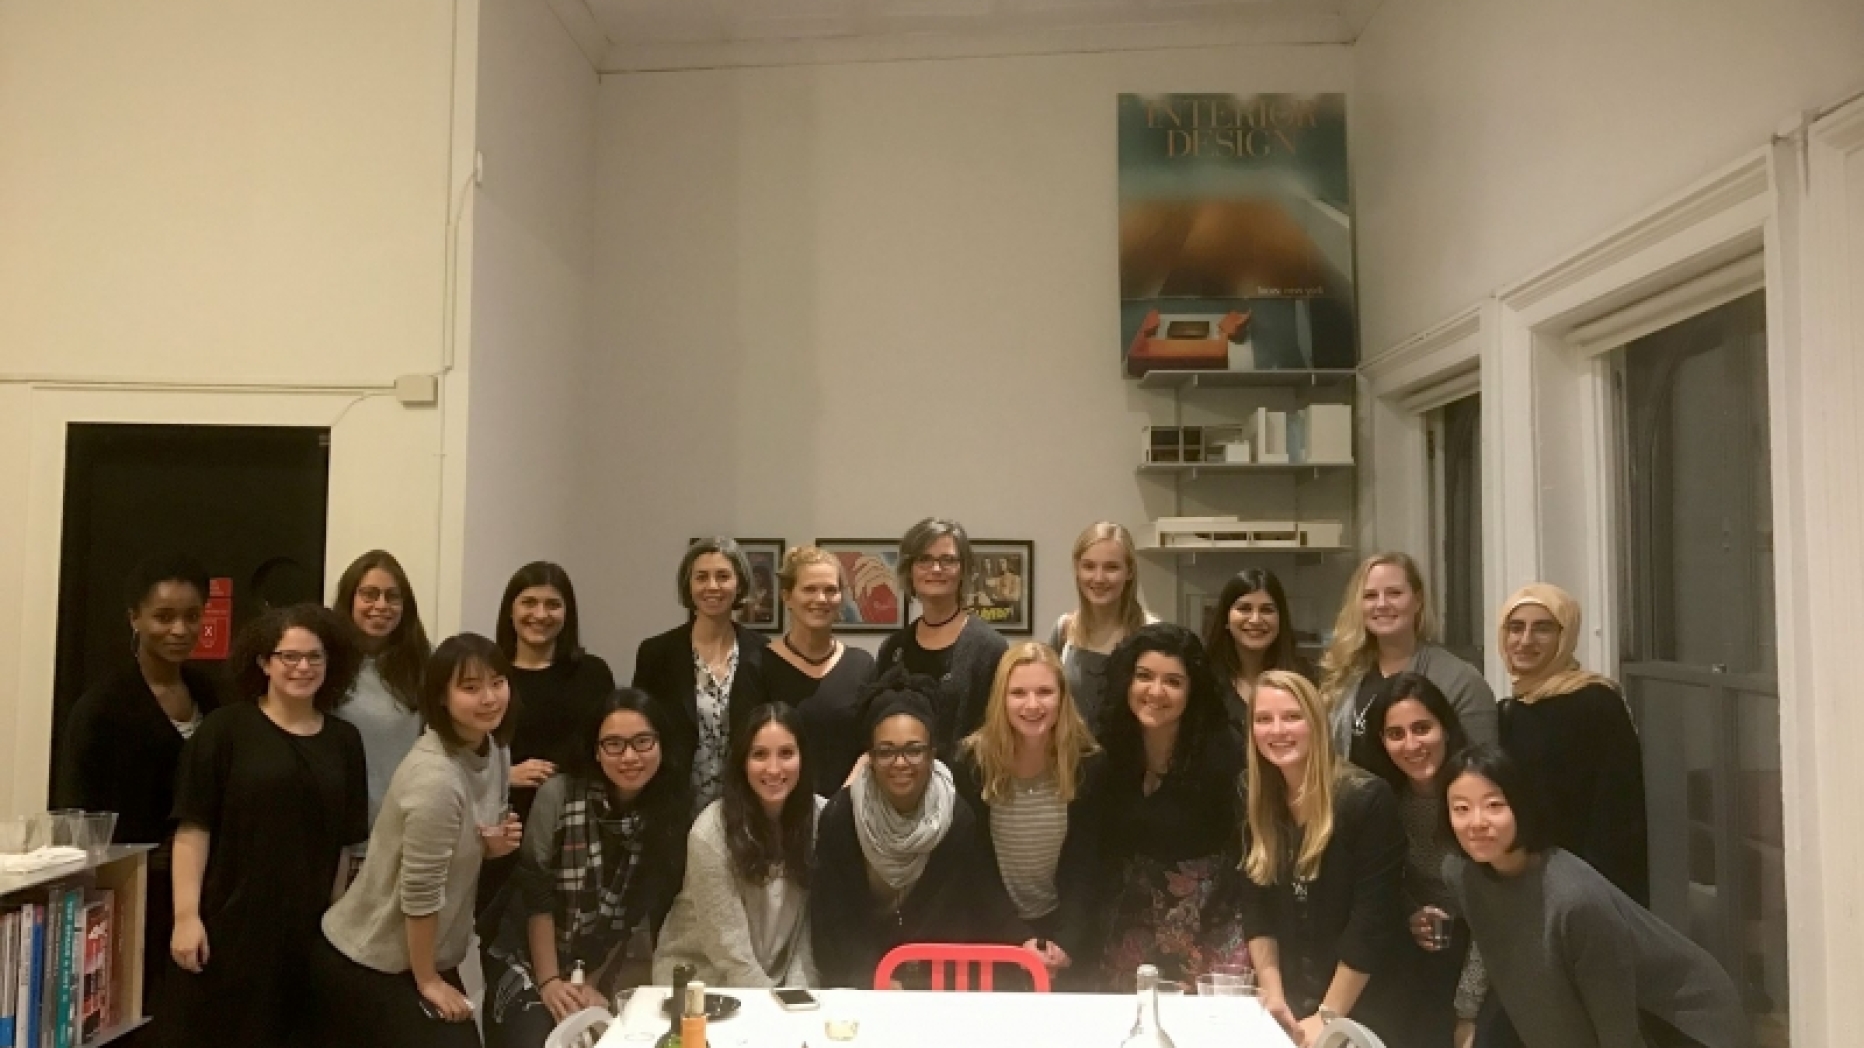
830 708
279 808
1583 751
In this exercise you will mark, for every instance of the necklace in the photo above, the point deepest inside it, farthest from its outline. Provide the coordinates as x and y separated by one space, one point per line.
929 624
798 652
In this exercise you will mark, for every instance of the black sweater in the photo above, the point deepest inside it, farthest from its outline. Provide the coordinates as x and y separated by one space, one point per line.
958 899
121 753
1078 879
1583 751
1353 912
965 689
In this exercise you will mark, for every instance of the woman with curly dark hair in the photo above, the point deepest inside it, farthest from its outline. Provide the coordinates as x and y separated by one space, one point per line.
741 918
271 790
1171 795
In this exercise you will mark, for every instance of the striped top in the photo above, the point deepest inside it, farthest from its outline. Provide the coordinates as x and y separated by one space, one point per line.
1028 827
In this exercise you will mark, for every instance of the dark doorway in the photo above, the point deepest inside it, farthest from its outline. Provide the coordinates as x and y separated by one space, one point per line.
247 501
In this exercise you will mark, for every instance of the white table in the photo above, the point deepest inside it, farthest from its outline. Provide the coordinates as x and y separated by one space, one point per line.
907 1019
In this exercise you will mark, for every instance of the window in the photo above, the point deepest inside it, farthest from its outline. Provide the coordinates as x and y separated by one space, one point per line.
1453 443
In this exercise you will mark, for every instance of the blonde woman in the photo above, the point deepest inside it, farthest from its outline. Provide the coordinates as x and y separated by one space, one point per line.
1107 611
1031 773
808 669
1323 859
1386 626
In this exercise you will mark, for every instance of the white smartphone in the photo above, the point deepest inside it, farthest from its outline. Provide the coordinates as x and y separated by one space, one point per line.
795 1000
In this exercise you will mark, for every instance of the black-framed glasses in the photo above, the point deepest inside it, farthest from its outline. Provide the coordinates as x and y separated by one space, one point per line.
616 745
914 754
300 658
942 562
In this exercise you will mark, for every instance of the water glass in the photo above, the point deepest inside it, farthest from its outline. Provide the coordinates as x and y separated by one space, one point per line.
1216 984
98 832
14 833
67 824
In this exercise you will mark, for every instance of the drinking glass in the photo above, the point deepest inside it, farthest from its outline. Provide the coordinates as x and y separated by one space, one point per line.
98 831
1216 984
13 836
67 824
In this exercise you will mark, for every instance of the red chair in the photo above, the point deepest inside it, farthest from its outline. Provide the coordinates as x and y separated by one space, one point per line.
961 956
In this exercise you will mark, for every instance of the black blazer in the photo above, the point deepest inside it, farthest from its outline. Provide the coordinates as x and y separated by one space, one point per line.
663 668
1078 876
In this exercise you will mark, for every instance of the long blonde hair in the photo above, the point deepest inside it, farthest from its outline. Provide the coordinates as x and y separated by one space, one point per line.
1269 822
1128 610
1353 650
993 744
1564 674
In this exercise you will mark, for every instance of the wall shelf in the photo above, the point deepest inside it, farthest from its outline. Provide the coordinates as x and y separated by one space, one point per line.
1194 468
1238 551
1240 379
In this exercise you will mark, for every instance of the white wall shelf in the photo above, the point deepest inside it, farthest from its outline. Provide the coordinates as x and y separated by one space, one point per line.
1195 468
1241 379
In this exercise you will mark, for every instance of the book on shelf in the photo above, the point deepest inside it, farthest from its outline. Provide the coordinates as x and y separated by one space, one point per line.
55 951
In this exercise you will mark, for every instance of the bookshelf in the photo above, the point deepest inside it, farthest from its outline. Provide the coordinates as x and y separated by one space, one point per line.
123 869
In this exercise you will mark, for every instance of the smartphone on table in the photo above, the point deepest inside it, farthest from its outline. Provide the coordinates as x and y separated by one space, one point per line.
795 1000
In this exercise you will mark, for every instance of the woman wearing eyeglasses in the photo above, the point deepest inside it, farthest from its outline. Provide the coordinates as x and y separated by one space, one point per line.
378 605
900 857
270 792
603 855
946 643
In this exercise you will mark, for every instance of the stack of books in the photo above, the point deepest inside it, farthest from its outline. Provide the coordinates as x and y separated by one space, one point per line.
55 987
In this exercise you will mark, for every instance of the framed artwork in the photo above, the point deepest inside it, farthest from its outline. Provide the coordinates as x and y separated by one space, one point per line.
763 612
871 601
1003 583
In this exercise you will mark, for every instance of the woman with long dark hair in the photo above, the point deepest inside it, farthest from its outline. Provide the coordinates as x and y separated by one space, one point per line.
1418 733
742 917
1573 959
1169 841
1250 632
271 791
602 858
383 620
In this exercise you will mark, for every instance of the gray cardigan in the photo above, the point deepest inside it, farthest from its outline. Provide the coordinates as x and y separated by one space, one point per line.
1470 696
1579 965
424 856
965 690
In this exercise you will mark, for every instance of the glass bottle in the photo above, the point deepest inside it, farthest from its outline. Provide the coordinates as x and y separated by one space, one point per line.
676 1001
1147 1033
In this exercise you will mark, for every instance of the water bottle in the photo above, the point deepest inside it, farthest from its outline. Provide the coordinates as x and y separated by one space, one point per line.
1147 1033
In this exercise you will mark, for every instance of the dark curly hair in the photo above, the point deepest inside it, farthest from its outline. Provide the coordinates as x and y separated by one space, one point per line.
893 693
151 572
1204 715
256 643
760 850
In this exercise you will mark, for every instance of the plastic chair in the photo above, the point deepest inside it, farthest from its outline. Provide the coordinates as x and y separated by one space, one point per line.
570 1031
1345 1033
961 956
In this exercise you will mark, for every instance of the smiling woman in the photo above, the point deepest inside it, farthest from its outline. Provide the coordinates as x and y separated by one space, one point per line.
815 673
377 605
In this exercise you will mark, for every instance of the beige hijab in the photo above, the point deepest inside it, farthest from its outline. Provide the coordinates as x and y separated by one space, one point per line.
1562 675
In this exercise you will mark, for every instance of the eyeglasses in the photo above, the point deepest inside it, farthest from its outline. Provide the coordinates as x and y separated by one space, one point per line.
373 595
300 658
1541 630
930 562
914 754
616 745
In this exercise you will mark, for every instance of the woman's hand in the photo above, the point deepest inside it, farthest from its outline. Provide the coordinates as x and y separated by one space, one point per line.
532 773
449 1002
564 1000
1421 927
1053 957
1307 1031
503 839
187 944
1277 1007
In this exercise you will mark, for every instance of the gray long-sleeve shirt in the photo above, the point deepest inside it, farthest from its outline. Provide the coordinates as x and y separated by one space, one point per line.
1469 694
424 856
1580 965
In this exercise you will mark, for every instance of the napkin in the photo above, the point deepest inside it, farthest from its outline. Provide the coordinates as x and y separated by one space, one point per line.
40 858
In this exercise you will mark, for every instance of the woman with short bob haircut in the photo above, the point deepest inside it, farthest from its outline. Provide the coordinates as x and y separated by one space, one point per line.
1251 631
1107 610
394 943
270 791
1032 772
946 643
1386 625
741 918
708 670
1574 960
1323 861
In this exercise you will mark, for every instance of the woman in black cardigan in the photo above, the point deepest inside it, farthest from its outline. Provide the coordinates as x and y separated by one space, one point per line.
707 672
900 857
1324 864
1031 774
953 647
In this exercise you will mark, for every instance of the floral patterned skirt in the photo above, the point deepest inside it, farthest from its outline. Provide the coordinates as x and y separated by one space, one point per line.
1183 918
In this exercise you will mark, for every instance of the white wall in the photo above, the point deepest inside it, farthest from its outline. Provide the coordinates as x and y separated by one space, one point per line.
532 265
832 300
1492 138
216 212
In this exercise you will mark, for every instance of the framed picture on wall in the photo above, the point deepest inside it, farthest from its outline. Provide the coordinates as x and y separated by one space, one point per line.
871 601
1003 583
763 612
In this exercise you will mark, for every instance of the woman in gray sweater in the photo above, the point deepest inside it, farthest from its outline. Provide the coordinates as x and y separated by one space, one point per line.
742 917
394 942
1576 963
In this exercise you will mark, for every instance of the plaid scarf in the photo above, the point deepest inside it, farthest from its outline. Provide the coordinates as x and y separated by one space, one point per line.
593 910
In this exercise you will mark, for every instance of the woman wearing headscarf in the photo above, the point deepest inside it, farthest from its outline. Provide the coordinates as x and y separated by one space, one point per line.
1571 732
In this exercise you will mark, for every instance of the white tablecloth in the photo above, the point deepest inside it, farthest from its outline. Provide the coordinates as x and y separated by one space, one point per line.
907 1019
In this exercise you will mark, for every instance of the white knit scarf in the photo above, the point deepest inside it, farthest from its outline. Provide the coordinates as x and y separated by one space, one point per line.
897 845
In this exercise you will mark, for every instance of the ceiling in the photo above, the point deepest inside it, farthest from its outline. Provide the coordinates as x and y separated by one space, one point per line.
629 35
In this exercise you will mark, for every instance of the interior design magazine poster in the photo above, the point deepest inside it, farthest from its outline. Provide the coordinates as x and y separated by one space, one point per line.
1236 233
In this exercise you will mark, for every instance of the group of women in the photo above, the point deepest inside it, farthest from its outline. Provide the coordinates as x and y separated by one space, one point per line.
1388 843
